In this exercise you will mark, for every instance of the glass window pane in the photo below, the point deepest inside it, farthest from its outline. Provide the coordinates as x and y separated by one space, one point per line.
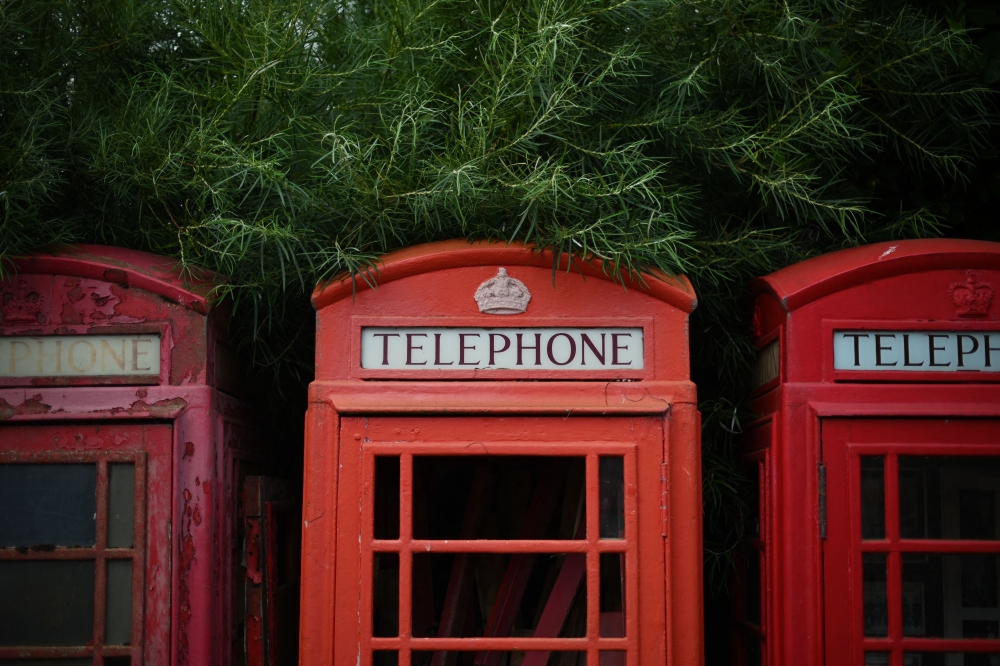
949 497
47 602
950 596
385 658
498 497
421 658
548 596
50 662
876 659
387 497
951 659
612 498
876 606
47 505
612 658
612 595
752 588
385 600
121 498
872 497
117 661
118 623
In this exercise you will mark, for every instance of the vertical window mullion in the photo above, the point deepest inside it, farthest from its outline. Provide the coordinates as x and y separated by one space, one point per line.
593 505
894 585
405 557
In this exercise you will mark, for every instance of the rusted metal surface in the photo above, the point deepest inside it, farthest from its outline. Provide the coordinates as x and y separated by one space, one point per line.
188 431
271 575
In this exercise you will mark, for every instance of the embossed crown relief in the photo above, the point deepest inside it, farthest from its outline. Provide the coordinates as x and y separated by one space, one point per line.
502 295
971 298
21 304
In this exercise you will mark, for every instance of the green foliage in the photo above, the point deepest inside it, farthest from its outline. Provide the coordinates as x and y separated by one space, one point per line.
282 142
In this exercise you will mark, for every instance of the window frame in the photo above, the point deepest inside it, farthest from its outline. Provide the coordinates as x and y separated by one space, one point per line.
100 553
593 546
845 442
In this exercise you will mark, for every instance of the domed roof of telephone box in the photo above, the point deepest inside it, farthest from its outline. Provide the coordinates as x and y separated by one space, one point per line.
804 282
150 272
675 290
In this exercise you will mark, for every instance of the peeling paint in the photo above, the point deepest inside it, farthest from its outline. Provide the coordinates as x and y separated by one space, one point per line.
32 405
187 559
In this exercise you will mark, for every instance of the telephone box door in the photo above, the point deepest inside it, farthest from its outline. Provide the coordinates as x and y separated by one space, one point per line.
473 542
912 542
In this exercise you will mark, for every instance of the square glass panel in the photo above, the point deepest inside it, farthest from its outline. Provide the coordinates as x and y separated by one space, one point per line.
51 662
949 497
876 602
118 622
385 600
385 658
872 497
498 497
612 595
612 474
512 658
951 659
751 588
121 500
549 596
46 602
47 505
387 497
950 596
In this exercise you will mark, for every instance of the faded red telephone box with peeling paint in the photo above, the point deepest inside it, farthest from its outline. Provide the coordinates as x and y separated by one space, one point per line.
877 455
502 466
123 449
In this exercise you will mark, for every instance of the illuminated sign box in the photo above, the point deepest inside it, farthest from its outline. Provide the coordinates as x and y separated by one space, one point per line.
917 351
80 355
535 348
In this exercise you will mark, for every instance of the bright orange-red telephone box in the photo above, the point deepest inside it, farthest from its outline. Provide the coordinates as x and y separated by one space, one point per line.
502 466
878 460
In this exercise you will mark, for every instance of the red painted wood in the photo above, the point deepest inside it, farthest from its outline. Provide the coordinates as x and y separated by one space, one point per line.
811 610
651 421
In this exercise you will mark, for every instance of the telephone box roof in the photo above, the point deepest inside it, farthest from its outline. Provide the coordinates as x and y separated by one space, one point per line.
804 282
675 290
150 272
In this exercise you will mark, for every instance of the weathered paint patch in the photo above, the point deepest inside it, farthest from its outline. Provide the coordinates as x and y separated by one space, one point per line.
32 405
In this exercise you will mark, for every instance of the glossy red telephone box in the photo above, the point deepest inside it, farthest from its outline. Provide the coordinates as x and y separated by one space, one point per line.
502 466
878 458
122 452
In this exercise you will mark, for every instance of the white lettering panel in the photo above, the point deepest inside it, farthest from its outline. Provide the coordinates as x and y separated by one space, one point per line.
80 355
917 351
439 348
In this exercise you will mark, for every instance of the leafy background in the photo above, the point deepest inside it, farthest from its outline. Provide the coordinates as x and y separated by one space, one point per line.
283 142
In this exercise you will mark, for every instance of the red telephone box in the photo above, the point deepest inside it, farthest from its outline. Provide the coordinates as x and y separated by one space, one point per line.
878 459
123 450
502 466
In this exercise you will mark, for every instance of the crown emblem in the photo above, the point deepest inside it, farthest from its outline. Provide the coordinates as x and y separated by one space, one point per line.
502 295
21 304
970 297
